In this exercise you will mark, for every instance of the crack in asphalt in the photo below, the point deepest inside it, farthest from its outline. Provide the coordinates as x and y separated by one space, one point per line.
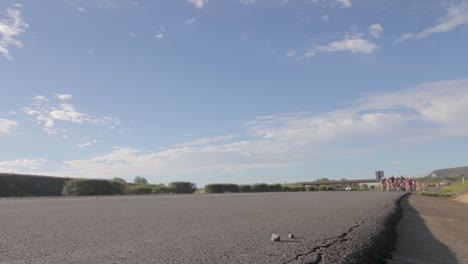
318 250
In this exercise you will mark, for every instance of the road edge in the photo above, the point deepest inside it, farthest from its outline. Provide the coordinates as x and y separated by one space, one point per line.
382 244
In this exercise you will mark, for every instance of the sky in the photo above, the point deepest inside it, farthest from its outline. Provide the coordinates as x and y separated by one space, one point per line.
233 91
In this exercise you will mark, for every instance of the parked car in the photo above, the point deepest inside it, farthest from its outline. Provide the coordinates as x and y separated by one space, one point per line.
444 183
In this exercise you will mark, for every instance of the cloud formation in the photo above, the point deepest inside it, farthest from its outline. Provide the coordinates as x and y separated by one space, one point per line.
11 28
47 113
344 3
456 16
355 42
198 3
247 2
376 30
86 144
7 126
350 44
190 21
160 33
431 111
21 165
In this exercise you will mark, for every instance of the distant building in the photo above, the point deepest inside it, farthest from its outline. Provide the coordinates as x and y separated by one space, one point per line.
379 175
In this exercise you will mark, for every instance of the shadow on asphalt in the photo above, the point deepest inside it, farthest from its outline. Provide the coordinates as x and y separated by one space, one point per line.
415 243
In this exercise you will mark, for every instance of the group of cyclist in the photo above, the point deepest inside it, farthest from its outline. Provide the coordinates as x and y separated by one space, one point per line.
401 184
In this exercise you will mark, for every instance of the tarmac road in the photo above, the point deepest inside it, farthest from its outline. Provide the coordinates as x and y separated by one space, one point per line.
330 227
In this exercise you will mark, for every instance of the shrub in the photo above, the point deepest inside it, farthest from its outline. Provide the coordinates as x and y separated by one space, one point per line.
245 188
230 187
29 185
140 180
275 188
298 189
81 187
323 188
214 188
286 189
260 187
221 188
139 189
182 187
120 180
160 189
312 189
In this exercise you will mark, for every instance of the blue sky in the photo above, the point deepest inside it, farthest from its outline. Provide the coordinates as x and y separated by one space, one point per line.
235 91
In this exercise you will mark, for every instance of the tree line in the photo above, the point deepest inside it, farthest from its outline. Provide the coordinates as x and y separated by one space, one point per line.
118 186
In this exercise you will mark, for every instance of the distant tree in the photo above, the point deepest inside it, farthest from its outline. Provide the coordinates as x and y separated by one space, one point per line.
139 189
140 180
245 188
364 186
260 187
160 189
275 188
324 179
323 188
120 180
76 187
182 187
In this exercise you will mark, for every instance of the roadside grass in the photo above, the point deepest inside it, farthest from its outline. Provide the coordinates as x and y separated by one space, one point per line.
453 190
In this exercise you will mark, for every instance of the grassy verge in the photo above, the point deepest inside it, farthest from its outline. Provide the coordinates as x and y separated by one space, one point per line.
451 191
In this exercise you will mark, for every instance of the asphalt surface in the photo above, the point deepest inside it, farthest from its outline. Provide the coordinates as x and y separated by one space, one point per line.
330 227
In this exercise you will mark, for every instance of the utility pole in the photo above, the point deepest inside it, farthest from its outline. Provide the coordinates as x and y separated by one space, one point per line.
463 178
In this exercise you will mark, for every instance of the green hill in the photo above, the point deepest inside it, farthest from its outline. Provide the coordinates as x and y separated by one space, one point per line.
450 173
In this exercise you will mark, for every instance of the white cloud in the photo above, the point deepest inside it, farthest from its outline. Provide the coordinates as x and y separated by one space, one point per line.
40 98
7 126
431 111
106 3
21 164
404 37
325 17
198 3
291 53
353 45
456 16
10 28
132 35
355 42
248 34
91 52
64 97
48 115
247 2
76 6
376 30
160 33
206 141
344 3
86 144
442 104
190 21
